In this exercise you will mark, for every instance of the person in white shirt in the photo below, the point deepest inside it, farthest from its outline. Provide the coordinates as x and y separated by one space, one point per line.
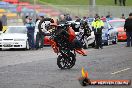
41 32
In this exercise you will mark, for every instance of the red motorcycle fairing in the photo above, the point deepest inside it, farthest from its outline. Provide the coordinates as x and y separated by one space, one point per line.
81 51
54 46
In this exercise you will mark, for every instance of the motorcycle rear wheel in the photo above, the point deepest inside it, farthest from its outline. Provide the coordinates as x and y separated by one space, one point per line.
66 63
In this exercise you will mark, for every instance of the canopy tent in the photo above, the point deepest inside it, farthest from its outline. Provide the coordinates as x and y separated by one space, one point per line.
19 8
24 10
11 1
2 11
10 15
23 3
14 10
3 3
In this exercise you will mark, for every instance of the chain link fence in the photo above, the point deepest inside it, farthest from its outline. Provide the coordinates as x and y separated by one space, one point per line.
16 13
87 10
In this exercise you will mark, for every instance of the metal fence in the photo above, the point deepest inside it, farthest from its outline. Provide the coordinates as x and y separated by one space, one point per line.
15 16
84 10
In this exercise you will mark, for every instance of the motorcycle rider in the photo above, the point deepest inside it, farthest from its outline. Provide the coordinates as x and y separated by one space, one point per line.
65 36
97 26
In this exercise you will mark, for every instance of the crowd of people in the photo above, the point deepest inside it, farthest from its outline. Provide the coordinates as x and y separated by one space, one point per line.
36 41
97 26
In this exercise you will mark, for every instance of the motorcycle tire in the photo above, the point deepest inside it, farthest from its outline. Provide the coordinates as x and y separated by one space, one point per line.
66 63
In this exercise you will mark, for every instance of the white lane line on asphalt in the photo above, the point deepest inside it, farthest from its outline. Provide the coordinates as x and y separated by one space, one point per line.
120 71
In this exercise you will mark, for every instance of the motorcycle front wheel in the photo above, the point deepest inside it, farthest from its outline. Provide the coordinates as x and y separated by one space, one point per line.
66 63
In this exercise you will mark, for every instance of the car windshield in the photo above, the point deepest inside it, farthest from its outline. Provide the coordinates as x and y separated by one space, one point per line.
117 24
22 30
105 25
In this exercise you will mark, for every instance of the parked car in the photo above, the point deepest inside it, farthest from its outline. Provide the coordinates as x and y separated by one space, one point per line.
119 26
14 37
109 34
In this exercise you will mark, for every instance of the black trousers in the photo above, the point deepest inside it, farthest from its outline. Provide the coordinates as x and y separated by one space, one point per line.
39 38
98 40
129 38
115 2
122 2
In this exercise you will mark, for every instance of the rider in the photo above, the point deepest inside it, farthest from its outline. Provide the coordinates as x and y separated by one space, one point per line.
65 36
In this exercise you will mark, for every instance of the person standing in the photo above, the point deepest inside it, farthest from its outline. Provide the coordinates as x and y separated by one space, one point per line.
115 2
97 26
62 19
122 16
68 17
4 20
41 33
30 32
122 2
1 26
128 29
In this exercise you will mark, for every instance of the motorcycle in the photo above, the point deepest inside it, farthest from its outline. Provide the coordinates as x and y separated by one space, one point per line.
63 43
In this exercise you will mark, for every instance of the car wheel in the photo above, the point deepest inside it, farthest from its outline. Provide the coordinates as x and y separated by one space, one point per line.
0 49
115 40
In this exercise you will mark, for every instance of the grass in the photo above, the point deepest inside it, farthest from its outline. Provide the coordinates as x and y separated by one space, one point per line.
83 2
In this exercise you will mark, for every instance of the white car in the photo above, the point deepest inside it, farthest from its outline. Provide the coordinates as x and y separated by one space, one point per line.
14 37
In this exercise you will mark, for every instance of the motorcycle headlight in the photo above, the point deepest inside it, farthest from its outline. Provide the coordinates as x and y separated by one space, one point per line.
19 39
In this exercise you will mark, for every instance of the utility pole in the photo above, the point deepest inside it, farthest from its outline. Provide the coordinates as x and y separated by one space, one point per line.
92 4
34 13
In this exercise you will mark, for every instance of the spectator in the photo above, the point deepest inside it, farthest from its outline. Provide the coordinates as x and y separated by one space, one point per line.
30 32
103 18
25 19
97 27
1 26
84 18
108 15
68 17
122 16
128 29
96 15
77 19
115 2
62 19
4 20
41 32
39 35
122 2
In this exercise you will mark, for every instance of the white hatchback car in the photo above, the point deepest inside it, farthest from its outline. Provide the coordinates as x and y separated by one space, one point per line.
14 37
